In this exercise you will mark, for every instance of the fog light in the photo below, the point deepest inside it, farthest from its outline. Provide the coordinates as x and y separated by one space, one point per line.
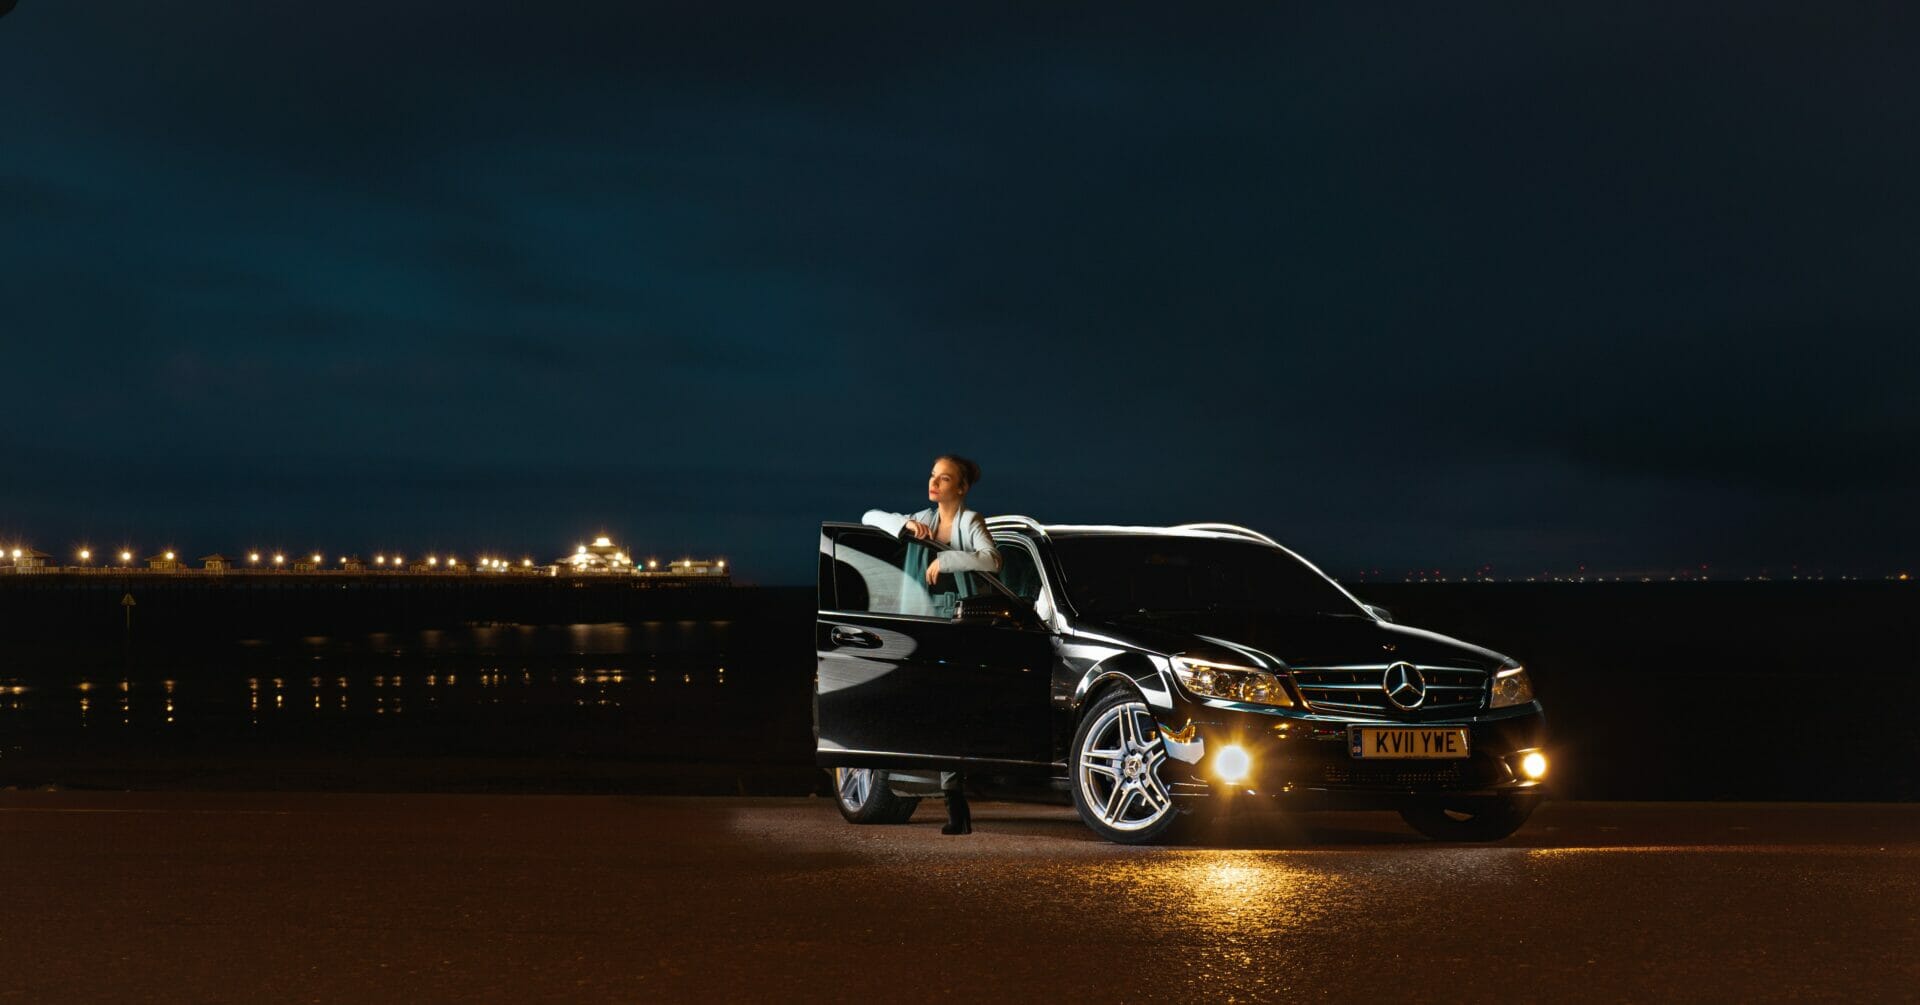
1534 766
1231 764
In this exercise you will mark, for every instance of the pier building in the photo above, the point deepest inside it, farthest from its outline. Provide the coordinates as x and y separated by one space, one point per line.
692 567
602 557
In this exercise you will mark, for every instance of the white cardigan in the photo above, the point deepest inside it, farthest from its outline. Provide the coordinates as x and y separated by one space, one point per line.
971 550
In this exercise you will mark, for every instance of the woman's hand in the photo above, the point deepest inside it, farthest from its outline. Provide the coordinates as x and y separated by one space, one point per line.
918 529
933 571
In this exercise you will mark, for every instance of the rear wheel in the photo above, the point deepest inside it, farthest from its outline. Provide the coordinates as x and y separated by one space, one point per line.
1117 758
864 797
1489 820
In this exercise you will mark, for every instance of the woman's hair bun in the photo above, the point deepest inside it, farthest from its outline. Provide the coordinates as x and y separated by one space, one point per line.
969 469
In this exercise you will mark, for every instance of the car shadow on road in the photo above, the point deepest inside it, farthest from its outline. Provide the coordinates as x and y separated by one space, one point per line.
1255 831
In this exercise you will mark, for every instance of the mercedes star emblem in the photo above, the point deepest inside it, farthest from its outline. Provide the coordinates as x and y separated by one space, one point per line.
1404 686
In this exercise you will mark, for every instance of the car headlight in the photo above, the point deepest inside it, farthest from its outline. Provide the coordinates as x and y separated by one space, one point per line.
1511 687
1234 683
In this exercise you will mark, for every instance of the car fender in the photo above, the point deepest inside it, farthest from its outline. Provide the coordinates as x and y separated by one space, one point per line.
1136 670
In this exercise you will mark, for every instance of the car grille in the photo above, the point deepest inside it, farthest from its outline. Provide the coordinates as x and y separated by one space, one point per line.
1452 775
1357 691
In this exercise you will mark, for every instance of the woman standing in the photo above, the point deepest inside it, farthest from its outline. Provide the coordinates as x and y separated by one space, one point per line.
949 524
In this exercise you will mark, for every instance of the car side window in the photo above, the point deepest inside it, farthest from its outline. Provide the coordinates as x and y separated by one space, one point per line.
1018 572
875 572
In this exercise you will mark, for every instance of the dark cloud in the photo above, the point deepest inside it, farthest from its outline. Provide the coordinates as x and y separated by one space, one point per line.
1615 284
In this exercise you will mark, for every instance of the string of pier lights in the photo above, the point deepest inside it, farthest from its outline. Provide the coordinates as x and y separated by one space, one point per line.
317 560
483 563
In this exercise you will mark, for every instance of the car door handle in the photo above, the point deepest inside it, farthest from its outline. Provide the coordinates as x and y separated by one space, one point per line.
854 637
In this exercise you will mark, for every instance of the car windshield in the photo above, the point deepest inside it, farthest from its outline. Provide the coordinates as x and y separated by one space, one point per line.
1115 576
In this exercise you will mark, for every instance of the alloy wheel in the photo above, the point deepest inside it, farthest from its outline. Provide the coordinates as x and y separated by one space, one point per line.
1118 768
855 785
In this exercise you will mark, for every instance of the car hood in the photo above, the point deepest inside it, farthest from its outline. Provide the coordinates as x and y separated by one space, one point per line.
1302 642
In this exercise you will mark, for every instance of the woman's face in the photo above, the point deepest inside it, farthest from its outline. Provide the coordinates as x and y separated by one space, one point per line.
943 485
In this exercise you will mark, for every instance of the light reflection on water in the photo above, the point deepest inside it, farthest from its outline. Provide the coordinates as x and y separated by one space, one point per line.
166 701
656 691
588 666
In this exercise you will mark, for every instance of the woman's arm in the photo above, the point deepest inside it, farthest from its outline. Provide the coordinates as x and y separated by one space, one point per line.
889 522
894 523
982 557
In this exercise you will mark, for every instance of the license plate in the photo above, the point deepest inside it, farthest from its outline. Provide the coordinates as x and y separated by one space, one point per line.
1407 742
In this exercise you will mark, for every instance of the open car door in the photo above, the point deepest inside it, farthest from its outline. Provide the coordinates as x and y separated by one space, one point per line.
899 681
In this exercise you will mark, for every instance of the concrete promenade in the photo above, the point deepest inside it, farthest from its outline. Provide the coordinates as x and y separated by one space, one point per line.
316 897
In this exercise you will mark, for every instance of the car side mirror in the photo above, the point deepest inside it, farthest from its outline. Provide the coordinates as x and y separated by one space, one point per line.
1379 612
995 609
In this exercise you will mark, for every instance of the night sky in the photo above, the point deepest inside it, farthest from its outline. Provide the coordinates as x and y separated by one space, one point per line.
1430 287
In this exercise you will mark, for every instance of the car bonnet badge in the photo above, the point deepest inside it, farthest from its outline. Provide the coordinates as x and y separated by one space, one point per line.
1404 686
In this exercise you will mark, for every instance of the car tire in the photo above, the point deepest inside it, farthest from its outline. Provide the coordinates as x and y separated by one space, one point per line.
1478 821
1118 755
864 797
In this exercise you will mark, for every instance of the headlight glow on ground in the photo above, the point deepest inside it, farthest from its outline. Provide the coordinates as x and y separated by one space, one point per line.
1231 764
1534 765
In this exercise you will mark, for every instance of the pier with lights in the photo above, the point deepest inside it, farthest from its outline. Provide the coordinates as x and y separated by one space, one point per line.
131 591
601 558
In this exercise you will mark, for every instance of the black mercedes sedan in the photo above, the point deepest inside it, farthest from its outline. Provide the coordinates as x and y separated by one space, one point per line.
1158 675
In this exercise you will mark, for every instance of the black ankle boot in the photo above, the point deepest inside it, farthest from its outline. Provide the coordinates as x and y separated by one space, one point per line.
959 819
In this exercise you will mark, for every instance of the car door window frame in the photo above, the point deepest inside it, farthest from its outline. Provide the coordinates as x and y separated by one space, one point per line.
1039 567
837 608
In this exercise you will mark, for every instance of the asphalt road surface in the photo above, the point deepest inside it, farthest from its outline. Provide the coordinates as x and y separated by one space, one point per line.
300 897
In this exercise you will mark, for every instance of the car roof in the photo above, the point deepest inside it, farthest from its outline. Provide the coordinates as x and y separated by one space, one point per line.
1027 524
1204 530
1216 531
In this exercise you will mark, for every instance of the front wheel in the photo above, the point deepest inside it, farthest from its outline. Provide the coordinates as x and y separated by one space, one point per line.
1117 759
1478 821
864 797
